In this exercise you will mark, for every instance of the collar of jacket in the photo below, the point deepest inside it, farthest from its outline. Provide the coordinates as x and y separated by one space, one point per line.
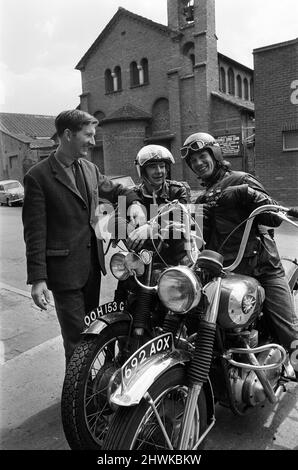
64 159
162 193
216 176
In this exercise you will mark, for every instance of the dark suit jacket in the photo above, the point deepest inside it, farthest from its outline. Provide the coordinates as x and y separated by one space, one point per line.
58 224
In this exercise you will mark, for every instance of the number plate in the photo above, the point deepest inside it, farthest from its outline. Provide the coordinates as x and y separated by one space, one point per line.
109 307
160 344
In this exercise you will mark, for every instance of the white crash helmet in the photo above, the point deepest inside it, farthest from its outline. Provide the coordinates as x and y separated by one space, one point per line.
198 142
152 153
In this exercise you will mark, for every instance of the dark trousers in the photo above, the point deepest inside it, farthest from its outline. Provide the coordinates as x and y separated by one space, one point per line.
72 305
280 310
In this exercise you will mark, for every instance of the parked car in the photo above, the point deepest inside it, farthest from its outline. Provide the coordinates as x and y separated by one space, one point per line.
126 181
11 192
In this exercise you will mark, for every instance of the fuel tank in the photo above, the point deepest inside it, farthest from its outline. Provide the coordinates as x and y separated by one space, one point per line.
241 301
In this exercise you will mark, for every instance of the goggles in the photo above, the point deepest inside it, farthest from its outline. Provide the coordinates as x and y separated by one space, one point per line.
195 146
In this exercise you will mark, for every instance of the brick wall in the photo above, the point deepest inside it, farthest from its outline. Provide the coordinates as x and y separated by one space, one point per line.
276 67
128 41
12 168
121 144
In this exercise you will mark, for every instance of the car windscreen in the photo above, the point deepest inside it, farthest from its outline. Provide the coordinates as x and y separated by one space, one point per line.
12 185
126 181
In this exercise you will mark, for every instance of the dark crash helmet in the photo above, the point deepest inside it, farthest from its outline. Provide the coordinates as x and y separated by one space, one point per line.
150 154
199 142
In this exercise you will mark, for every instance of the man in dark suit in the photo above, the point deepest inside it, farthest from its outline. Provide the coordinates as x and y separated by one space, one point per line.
59 217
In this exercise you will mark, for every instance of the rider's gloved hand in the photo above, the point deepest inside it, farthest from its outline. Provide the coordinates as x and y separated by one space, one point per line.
137 237
137 214
293 212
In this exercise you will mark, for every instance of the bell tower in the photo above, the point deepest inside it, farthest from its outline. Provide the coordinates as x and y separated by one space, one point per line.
193 76
180 13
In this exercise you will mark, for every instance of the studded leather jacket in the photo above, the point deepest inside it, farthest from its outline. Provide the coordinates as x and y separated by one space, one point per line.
230 200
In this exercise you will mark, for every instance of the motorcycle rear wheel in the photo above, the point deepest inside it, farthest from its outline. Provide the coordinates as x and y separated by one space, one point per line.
85 411
137 428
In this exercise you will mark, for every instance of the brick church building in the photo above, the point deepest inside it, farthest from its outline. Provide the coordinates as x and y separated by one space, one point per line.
151 83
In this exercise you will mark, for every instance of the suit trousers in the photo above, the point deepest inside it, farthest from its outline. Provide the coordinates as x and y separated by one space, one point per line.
72 305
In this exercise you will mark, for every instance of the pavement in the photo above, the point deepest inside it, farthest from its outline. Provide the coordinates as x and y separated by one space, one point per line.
32 371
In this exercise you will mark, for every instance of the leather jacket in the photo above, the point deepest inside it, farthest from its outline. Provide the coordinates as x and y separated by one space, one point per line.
230 200
173 250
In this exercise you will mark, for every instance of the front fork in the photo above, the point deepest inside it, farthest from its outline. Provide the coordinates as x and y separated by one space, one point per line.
200 364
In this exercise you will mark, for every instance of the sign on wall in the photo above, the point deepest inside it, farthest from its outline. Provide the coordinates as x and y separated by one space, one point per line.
230 144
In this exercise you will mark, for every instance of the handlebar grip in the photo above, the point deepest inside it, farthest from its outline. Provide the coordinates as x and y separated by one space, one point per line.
293 212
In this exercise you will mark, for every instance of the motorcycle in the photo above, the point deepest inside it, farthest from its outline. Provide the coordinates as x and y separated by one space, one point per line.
113 332
165 393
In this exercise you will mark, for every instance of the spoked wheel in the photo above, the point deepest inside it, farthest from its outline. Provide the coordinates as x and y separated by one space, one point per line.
138 428
86 413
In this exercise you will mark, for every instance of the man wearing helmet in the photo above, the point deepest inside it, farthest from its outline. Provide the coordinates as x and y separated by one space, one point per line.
228 199
153 165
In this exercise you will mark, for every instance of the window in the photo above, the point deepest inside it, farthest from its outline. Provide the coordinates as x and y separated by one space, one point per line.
14 185
139 74
222 85
239 86
192 59
145 71
109 81
117 79
134 74
251 86
13 162
245 84
188 51
231 81
290 140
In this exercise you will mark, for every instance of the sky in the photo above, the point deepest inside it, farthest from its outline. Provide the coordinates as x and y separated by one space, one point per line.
41 41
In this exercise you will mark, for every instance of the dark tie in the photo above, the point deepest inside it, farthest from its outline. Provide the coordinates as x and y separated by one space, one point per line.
80 181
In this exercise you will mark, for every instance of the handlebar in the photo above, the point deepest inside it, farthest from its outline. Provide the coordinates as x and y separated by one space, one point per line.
190 245
259 210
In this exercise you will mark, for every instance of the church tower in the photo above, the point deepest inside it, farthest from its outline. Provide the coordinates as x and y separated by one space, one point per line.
194 73
180 13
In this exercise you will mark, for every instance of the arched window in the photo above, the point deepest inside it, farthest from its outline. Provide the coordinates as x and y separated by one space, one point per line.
134 74
231 81
118 79
245 85
109 81
251 86
188 51
222 80
144 65
239 86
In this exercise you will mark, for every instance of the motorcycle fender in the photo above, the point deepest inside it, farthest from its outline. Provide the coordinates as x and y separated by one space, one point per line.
111 318
145 375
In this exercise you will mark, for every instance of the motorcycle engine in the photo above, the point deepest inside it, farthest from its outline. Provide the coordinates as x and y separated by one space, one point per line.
246 387
241 301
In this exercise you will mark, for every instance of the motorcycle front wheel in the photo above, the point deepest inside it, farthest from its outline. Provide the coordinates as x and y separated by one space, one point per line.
137 427
85 411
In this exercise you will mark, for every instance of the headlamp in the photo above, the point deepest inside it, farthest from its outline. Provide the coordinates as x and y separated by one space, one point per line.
118 267
123 264
179 289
